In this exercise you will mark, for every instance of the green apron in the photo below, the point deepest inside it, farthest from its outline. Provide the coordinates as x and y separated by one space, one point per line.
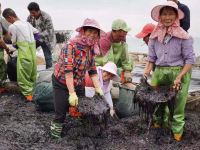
118 53
166 76
26 67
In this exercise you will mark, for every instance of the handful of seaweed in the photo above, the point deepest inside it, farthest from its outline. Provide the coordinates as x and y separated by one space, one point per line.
94 108
150 98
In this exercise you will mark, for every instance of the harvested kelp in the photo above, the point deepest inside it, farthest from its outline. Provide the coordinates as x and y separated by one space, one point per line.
93 108
150 98
23 127
93 113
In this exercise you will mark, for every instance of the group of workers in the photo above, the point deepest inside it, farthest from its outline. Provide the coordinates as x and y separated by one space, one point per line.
170 57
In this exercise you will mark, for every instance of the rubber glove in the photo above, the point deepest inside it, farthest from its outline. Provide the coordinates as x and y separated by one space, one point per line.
127 76
99 91
73 99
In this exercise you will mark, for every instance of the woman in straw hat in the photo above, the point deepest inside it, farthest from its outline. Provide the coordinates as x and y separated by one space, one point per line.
171 49
75 59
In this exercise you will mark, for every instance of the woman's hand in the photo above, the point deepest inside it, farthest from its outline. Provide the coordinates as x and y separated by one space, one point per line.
147 69
177 83
146 73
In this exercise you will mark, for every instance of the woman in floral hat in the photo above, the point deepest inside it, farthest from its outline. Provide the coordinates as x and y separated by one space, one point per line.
75 59
171 49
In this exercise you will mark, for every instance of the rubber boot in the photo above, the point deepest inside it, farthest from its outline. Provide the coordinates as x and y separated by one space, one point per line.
177 137
56 130
29 98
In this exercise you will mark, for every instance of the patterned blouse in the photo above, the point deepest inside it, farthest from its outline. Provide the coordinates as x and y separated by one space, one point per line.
75 58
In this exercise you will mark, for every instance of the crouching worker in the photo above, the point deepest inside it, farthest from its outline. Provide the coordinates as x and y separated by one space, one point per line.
106 74
69 74
171 49
22 35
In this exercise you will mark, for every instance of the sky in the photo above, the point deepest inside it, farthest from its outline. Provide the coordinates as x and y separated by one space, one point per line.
69 14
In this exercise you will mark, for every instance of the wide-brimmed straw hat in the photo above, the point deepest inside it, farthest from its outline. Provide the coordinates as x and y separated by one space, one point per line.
155 12
111 68
90 23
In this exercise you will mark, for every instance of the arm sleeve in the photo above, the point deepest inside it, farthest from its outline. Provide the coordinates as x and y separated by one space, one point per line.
68 58
151 53
33 29
185 22
188 52
49 27
13 32
127 63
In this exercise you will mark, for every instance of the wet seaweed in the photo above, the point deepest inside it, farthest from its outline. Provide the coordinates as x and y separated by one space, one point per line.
151 98
93 112
23 127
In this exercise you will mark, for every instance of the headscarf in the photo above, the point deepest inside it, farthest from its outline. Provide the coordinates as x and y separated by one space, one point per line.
86 41
174 30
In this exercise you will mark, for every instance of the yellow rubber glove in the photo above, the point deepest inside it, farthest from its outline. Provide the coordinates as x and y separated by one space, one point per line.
99 91
73 99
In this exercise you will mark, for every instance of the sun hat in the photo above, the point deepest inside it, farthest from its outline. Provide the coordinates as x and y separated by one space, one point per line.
111 68
146 30
120 24
90 23
155 12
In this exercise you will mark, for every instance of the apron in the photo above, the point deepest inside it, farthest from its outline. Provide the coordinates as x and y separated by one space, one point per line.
118 53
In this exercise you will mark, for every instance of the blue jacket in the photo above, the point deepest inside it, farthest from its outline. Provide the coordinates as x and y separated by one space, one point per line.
185 22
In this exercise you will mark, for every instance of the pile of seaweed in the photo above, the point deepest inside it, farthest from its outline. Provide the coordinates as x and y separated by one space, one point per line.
22 127
93 111
150 98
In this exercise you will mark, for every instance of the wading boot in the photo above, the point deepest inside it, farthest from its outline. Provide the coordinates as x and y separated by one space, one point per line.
56 130
177 137
29 98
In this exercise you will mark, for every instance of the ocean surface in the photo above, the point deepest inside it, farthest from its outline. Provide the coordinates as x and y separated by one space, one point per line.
194 83
137 45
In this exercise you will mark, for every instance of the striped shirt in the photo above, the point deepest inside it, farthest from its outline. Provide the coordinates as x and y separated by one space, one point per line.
177 52
77 59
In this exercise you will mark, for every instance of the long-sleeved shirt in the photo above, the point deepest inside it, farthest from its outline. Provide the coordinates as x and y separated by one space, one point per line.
105 86
185 22
45 27
75 58
177 52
